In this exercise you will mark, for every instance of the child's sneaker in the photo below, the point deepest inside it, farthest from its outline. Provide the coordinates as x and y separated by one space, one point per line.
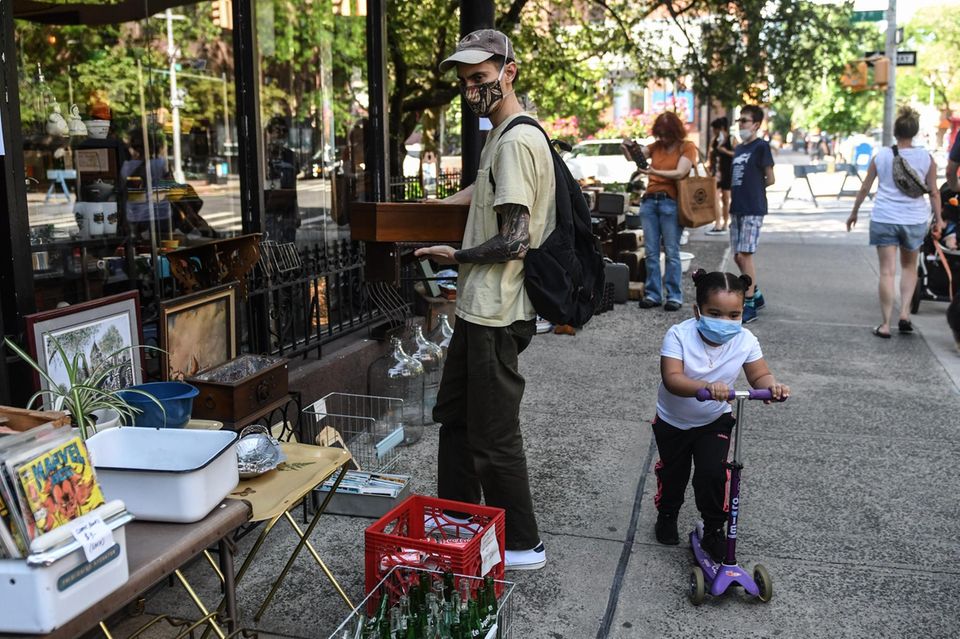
714 543
533 559
749 312
758 301
666 529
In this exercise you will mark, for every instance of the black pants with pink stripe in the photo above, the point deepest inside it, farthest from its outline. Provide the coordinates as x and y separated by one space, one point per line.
705 446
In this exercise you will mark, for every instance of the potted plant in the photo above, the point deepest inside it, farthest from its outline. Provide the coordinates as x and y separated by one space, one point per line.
84 396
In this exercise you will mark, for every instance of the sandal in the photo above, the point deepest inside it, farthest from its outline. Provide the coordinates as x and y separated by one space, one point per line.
876 331
905 326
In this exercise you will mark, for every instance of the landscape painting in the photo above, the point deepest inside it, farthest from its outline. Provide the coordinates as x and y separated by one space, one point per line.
197 332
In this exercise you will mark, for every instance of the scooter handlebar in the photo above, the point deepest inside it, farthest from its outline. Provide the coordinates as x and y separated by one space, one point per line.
704 395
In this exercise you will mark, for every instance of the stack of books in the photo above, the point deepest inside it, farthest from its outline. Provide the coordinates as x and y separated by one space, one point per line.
46 480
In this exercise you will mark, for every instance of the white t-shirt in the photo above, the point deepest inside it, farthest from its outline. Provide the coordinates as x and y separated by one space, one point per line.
891 206
702 362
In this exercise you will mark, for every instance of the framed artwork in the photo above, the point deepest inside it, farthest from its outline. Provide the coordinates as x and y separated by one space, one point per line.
97 329
197 332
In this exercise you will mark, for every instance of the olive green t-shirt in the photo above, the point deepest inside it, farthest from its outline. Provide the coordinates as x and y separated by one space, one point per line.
522 167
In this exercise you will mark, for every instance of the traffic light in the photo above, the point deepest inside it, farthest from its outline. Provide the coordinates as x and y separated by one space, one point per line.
881 71
221 12
855 75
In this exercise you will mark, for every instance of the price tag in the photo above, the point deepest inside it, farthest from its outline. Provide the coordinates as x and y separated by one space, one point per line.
489 550
93 535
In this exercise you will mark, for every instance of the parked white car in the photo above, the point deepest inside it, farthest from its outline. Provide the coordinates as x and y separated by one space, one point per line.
600 159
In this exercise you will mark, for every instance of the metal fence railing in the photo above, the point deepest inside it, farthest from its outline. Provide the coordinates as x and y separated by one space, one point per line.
412 189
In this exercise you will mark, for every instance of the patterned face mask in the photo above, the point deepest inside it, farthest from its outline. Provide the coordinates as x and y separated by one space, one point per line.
482 97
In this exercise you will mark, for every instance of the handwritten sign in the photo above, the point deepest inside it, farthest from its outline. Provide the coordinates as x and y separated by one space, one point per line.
93 536
489 550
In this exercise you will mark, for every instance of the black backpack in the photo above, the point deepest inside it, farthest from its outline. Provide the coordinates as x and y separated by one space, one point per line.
564 276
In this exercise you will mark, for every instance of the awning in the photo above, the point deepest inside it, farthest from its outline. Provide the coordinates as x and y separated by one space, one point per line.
91 13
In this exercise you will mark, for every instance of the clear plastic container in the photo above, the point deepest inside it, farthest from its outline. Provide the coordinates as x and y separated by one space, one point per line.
399 375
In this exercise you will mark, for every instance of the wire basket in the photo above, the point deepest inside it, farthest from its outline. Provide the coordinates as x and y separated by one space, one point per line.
398 581
370 427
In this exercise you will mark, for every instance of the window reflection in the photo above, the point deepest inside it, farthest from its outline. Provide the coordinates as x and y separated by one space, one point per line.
129 148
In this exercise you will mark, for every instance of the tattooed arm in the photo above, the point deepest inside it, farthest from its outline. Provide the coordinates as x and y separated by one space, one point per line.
511 243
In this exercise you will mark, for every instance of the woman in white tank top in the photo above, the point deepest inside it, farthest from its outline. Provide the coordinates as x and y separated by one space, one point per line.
899 221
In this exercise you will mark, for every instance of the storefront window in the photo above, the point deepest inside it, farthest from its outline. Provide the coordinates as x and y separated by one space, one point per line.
313 107
129 144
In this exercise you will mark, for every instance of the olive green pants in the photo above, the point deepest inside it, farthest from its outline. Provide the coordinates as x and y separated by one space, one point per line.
478 407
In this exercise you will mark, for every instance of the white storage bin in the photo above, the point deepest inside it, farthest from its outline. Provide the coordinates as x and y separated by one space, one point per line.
166 474
43 592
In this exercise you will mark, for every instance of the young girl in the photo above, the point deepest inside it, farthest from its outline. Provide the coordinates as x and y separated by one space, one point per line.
706 351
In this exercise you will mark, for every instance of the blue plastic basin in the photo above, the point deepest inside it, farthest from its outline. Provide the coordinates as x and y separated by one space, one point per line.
175 397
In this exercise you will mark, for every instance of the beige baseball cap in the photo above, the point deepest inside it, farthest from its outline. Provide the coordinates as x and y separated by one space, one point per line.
478 46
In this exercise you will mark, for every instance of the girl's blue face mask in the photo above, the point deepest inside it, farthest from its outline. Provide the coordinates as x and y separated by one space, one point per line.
718 331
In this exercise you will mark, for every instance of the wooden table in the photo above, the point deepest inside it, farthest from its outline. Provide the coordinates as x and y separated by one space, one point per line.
157 550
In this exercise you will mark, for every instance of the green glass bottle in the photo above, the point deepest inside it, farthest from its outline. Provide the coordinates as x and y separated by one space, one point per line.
414 595
489 614
385 632
455 631
448 588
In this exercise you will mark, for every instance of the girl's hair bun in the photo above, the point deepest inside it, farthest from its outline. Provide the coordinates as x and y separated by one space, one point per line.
698 275
747 281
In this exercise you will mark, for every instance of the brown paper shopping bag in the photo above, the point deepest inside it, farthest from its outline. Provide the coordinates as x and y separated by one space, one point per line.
696 200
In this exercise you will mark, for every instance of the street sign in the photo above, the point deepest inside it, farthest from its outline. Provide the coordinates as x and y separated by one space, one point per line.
867 16
904 58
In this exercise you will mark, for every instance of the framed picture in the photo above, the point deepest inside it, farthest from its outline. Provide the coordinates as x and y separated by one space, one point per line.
197 332
96 328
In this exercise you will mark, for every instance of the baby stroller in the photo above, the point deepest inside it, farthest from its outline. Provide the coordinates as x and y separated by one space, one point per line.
938 273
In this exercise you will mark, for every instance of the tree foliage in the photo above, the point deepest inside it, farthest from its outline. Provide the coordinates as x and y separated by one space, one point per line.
757 50
935 34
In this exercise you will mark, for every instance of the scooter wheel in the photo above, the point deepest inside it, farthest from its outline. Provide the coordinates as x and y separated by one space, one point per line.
764 584
698 588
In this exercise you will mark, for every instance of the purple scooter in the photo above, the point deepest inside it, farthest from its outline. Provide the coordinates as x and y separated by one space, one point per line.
708 575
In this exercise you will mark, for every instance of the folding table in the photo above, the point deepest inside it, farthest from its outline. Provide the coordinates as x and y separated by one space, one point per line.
272 495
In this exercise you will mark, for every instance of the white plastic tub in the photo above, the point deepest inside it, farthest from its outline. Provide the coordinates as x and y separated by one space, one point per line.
685 260
166 474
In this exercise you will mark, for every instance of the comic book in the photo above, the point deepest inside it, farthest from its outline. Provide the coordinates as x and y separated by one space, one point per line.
55 485
11 538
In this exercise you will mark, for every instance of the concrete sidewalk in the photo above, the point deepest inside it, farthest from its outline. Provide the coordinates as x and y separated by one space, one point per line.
849 488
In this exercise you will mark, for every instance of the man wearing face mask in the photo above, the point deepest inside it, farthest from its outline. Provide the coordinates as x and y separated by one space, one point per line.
512 208
752 173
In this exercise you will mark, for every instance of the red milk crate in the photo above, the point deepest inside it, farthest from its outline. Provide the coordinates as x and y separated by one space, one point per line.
399 538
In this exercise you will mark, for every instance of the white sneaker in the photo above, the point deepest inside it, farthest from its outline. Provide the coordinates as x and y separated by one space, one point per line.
525 559
684 237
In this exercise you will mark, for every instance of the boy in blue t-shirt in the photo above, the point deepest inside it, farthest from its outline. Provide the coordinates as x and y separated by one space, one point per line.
752 173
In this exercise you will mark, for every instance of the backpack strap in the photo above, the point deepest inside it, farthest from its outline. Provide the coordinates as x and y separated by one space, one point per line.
896 152
521 119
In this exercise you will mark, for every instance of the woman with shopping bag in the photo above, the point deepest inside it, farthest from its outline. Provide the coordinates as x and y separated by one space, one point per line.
670 160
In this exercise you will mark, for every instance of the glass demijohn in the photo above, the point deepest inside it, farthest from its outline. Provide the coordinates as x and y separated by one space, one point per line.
399 375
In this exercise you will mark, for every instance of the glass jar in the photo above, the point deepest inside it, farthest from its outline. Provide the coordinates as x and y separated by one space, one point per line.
441 333
399 375
431 356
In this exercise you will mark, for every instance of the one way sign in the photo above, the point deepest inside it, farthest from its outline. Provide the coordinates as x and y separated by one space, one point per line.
904 58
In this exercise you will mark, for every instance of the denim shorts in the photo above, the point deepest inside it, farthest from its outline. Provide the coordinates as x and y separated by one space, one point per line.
906 236
745 233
